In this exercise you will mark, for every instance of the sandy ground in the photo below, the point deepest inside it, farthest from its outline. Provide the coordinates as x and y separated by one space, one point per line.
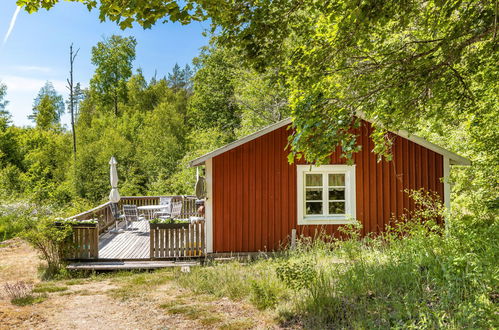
94 304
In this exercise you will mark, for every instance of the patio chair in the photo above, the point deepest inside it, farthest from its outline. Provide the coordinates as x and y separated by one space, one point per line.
117 215
176 210
166 212
131 214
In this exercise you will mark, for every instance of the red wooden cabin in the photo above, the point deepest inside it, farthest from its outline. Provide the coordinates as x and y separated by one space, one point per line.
255 198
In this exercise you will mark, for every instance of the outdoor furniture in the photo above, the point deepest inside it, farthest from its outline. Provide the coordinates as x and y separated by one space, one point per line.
151 210
117 215
166 202
176 210
131 214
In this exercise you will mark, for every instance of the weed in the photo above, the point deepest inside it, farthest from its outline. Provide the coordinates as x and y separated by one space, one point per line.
21 293
29 300
49 287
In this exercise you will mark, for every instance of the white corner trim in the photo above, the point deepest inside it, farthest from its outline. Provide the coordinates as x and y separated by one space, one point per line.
209 206
350 193
447 186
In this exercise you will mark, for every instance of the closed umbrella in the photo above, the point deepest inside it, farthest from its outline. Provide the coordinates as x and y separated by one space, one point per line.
114 195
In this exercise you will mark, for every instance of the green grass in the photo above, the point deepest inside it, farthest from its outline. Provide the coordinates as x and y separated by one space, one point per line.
29 300
134 284
417 275
49 287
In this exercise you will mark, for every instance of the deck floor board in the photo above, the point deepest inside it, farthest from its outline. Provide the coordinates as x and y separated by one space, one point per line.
131 243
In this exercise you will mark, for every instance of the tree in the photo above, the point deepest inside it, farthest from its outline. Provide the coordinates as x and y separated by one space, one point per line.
113 59
72 99
395 62
212 103
47 107
4 114
180 78
78 96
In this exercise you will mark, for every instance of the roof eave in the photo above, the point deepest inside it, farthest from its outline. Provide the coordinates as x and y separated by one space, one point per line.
200 160
454 159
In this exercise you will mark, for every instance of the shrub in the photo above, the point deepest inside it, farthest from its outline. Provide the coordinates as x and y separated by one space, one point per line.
296 274
17 216
265 294
420 274
51 241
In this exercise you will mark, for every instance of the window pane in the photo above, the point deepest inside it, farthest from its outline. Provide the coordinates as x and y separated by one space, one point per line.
313 208
336 193
336 207
313 180
313 194
336 180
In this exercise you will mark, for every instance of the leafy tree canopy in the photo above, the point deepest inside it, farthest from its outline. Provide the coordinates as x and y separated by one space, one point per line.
4 114
395 62
47 107
113 59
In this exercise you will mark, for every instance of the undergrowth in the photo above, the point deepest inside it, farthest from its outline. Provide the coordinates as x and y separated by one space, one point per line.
419 274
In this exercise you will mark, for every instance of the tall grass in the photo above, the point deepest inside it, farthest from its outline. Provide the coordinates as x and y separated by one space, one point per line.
419 274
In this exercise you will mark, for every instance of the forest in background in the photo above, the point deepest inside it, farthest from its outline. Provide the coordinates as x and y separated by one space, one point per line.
153 126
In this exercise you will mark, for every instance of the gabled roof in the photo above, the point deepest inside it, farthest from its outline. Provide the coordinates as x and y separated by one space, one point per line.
454 158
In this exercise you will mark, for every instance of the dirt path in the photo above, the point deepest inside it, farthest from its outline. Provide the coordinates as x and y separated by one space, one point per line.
137 301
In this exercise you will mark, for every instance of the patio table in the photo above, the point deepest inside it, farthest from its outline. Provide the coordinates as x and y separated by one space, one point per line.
151 209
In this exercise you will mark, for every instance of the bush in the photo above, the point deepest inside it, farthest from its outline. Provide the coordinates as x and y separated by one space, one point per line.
297 274
417 275
51 241
17 216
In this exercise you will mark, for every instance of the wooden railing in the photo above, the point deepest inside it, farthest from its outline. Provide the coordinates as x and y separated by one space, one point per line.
105 218
85 241
177 240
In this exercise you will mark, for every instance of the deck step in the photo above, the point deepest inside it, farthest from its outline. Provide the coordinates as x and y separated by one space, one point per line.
128 265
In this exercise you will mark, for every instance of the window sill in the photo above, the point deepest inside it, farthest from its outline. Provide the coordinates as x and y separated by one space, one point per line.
326 221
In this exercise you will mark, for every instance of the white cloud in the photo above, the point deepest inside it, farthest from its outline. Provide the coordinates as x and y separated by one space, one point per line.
12 24
27 84
33 68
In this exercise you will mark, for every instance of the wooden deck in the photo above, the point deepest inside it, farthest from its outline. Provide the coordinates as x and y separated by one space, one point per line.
130 265
127 244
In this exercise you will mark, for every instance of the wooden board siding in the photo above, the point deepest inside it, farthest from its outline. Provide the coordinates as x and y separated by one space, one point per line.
254 190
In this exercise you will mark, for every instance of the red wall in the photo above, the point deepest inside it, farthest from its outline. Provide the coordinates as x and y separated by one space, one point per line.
254 189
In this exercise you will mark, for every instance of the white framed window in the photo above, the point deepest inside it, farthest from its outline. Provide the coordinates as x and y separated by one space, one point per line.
326 194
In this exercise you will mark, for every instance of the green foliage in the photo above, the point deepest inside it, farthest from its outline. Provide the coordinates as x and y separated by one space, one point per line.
255 282
47 108
264 294
168 220
4 114
419 274
180 78
113 59
17 216
297 274
212 104
51 241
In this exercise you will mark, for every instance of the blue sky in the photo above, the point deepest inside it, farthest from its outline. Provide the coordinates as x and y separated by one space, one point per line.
37 50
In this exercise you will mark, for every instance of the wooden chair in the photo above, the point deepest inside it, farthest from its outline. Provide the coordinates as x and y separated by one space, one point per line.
131 214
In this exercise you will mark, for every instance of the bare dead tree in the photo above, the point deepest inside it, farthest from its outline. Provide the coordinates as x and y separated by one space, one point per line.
72 57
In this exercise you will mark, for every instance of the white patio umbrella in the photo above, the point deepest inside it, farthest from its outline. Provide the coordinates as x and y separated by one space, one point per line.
114 195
